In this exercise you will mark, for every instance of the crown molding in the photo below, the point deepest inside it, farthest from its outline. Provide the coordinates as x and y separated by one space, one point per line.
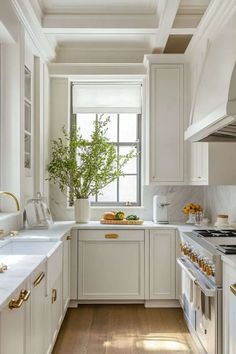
32 26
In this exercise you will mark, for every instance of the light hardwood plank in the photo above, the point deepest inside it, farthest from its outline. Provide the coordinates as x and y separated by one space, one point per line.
124 329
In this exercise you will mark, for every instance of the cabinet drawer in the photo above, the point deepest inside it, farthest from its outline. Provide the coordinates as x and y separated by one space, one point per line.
54 266
111 235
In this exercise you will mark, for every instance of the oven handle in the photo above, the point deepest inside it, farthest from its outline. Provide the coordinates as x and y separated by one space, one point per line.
210 292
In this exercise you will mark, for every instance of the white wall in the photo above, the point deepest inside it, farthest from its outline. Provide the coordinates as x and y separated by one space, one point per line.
220 200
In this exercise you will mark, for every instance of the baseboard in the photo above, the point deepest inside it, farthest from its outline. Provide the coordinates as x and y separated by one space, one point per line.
109 302
73 304
162 303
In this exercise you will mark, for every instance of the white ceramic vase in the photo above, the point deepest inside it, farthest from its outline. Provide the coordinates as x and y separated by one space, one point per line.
82 210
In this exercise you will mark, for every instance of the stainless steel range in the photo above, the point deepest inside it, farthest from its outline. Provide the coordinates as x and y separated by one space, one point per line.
202 283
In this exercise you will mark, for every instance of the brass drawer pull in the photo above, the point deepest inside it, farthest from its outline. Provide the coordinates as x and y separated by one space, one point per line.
38 280
233 288
69 237
54 295
16 304
25 294
111 236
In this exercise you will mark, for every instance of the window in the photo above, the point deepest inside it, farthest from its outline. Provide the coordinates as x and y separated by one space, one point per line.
124 132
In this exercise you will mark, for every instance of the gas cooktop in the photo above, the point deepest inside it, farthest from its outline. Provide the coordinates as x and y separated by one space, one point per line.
215 233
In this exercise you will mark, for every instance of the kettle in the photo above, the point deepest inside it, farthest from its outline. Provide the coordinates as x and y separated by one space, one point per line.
38 215
160 209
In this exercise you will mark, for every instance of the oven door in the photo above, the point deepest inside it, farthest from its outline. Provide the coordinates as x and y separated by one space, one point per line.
207 304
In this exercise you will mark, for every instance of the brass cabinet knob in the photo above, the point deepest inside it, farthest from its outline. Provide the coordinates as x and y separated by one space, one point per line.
69 237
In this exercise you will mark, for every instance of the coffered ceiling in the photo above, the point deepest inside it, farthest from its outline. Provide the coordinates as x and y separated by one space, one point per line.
118 30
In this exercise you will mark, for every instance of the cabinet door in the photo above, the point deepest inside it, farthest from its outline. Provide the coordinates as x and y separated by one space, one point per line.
38 315
229 310
66 273
162 264
13 326
199 163
56 306
166 123
111 268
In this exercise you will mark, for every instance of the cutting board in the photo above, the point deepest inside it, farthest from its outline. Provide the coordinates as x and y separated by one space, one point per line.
121 222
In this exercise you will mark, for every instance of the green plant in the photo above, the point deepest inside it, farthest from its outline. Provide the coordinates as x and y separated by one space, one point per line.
85 167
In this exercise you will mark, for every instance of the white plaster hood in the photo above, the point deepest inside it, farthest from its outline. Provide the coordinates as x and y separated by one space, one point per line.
213 114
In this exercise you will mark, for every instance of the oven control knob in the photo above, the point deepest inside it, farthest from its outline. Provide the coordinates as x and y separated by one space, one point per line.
209 270
200 262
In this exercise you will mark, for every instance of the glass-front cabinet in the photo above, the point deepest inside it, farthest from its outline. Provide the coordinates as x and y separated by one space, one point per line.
28 123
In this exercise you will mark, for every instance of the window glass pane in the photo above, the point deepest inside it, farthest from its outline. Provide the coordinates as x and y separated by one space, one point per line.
85 121
92 199
131 166
128 127
128 189
112 127
109 193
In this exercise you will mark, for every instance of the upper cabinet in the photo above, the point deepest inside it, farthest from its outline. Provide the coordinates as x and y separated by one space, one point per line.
212 163
166 121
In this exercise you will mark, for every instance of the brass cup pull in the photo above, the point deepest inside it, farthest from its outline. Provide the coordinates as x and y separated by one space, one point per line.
111 236
233 288
16 304
38 280
69 237
54 295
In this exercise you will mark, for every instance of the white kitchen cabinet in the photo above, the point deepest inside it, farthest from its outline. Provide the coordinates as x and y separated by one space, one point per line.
111 265
166 125
162 265
53 304
66 272
13 323
37 307
229 309
211 163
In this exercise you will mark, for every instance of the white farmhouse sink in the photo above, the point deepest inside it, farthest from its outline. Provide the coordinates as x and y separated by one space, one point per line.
28 247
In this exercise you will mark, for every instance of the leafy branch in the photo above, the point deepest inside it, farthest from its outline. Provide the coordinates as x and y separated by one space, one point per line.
86 166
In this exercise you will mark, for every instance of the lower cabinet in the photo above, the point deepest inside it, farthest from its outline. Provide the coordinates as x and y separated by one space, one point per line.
162 264
111 265
54 310
37 311
66 272
13 322
229 309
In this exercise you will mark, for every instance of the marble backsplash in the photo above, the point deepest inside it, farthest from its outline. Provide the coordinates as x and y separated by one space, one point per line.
177 196
220 200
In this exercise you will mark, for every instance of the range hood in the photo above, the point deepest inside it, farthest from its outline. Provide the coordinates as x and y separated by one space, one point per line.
213 114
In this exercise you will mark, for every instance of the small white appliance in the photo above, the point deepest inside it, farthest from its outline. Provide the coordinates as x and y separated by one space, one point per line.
160 209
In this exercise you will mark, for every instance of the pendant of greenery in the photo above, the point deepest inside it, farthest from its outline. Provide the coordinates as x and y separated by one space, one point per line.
85 167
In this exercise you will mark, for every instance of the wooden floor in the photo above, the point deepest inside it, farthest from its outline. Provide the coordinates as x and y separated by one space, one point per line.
123 329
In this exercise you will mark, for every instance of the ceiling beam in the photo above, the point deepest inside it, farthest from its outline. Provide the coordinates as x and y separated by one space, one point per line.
102 23
167 11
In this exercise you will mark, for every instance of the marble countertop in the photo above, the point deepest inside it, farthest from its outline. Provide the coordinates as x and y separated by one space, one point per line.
19 269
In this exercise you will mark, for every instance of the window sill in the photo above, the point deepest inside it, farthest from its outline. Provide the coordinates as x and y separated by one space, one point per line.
112 207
